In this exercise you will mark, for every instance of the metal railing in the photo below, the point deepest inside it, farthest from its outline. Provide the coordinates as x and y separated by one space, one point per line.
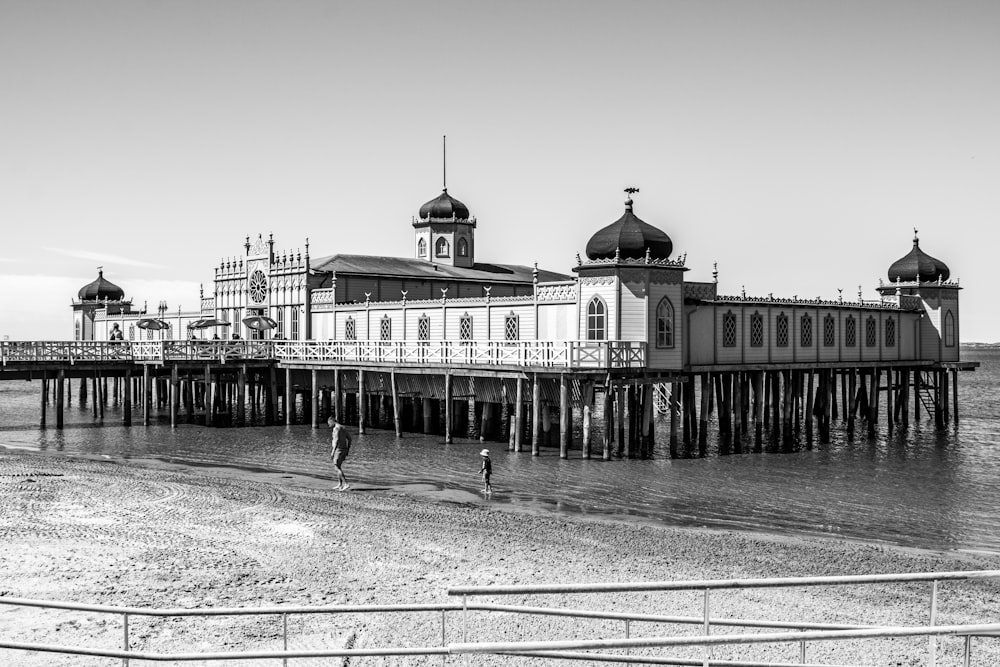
799 632
545 354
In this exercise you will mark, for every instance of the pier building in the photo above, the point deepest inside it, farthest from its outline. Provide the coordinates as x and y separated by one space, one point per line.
621 336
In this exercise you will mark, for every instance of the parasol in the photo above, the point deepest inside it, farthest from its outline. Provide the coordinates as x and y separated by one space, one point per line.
207 322
259 322
152 323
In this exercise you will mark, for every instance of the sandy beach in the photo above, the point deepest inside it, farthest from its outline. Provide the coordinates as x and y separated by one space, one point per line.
151 534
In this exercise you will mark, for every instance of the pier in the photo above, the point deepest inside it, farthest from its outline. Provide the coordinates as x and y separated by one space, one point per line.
524 393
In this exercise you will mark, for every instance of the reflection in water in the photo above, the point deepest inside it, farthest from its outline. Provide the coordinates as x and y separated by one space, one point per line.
925 488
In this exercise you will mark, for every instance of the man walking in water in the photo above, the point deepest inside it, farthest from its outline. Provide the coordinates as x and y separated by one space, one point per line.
341 447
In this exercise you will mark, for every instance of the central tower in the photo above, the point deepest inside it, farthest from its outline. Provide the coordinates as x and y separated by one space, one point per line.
444 232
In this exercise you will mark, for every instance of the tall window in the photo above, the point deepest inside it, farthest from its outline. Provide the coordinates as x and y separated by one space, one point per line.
829 331
131 332
949 329
756 330
463 248
424 328
441 248
279 317
850 332
422 248
665 323
149 334
295 323
350 329
781 331
511 330
385 328
76 328
890 332
806 331
871 332
596 320
729 330
465 327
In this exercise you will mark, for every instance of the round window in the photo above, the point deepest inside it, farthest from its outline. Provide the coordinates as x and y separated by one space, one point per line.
258 286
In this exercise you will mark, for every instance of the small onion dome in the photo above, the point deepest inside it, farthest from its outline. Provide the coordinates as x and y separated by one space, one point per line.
444 206
101 289
629 237
918 266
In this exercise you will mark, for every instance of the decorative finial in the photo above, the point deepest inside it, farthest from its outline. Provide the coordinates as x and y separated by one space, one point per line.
307 247
618 254
247 244
201 289
743 290
859 293
100 271
840 295
916 241
487 290
444 293
630 192
368 297
715 272
578 261
403 291
647 255
534 274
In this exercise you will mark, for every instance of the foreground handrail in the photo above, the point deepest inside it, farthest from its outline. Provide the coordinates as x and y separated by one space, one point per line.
689 585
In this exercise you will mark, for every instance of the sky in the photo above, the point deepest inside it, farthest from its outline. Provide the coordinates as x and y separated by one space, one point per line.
796 145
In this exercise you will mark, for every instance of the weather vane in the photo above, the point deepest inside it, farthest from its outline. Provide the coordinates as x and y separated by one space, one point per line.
631 191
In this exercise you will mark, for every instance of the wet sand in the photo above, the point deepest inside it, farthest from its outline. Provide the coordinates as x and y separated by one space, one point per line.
154 534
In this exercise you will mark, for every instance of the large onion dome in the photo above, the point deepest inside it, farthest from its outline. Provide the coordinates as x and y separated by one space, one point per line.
101 289
918 266
444 206
629 238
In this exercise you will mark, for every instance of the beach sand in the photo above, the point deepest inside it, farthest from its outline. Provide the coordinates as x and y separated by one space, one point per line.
153 534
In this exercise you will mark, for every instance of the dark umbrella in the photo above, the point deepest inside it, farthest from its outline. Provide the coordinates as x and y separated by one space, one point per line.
259 322
207 322
152 323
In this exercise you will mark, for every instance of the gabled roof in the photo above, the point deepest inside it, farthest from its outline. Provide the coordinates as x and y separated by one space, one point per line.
401 267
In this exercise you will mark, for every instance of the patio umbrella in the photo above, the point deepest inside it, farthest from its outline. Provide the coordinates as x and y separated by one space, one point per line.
152 323
207 322
259 322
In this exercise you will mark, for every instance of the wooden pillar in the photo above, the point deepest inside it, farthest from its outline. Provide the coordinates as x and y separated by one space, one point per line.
954 395
145 394
60 396
209 400
873 401
904 387
786 407
427 412
739 417
127 399
647 420
809 408
621 413
314 400
338 399
241 396
608 417
674 390
563 417
395 404
726 408
945 396
833 393
706 395
889 388
289 398
916 395
587 395
758 408
45 398
536 416
519 415
174 396
852 406
363 404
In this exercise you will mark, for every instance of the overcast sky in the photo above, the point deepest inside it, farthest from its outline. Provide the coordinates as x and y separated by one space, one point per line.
797 144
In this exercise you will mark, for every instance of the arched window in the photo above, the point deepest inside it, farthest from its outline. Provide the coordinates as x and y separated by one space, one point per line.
422 248
441 248
131 332
871 332
850 332
511 330
596 319
76 328
350 329
781 331
806 331
829 331
756 330
890 332
385 328
424 328
279 317
294 335
665 323
729 330
463 248
465 327
949 329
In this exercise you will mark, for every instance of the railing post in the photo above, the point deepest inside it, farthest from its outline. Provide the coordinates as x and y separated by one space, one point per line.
444 656
284 637
627 636
802 650
465 626
932 640
967 652
708 649
125 641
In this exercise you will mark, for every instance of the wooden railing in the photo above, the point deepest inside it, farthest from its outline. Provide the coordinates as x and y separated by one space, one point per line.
545 354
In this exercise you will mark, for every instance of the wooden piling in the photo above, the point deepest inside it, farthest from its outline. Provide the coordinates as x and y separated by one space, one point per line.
563 417
954 395
397 421
536 416
145 394
174 396
314 400
609 419
889 388
60 395
706 393
758 408
127 398
45 398
519 415
587 396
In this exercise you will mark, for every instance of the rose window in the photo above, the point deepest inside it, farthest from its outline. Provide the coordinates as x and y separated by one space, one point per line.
258 286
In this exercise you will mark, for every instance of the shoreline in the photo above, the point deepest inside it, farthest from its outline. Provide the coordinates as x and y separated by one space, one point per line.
108 531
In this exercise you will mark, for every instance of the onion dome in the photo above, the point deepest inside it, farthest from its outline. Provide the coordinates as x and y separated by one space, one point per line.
629 238
918 266
444 206
101 289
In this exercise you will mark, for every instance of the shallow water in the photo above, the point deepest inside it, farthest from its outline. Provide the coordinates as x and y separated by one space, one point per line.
937 489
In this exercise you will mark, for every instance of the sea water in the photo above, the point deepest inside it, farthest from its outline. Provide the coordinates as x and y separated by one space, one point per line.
922 487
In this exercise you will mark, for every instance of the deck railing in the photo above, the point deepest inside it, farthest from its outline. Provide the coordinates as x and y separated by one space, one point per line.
597 354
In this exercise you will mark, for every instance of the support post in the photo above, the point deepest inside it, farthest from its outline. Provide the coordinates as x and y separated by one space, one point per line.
588 398
145 394
706 394
314 400
209 396
45 398
60 396
395 404
536 416
608 418
519 415
674 390
954 395
363 403
563 417
174 396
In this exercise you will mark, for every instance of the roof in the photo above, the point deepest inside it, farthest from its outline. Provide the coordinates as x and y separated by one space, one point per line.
918 266
401 267
629 237
101 289
444 207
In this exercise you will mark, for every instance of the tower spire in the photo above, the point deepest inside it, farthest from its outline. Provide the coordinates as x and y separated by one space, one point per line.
444 161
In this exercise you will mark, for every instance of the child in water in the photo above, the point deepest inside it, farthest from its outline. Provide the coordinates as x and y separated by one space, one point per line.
486 471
